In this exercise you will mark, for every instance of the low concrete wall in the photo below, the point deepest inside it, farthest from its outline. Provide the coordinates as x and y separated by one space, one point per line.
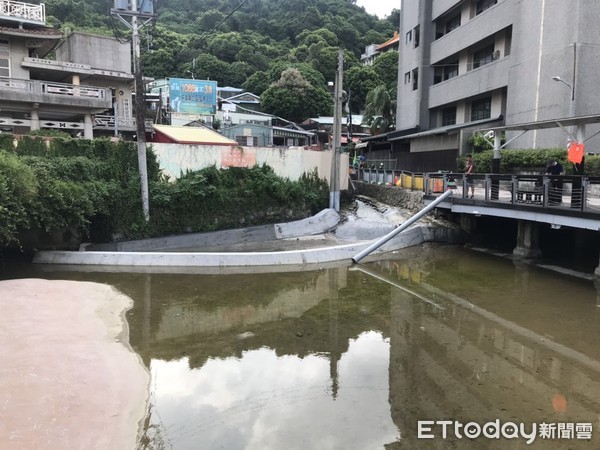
314 225
391 195
287 162
413 236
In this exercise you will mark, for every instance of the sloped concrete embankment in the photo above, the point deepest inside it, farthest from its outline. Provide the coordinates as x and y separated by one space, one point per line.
347 238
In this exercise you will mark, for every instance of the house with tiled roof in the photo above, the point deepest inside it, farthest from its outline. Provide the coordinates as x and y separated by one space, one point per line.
374 50
85 89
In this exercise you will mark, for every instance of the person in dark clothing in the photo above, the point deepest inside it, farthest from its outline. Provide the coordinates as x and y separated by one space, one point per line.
555 187
469 169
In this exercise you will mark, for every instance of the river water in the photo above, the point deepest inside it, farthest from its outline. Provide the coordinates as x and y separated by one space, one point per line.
360 357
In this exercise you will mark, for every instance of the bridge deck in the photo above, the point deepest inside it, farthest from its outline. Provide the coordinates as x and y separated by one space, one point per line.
565 200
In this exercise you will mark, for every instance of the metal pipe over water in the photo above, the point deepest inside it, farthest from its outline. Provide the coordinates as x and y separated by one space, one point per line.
374 246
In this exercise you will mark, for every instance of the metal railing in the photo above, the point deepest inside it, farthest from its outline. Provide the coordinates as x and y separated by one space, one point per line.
22 10
107 122
580 193
52 88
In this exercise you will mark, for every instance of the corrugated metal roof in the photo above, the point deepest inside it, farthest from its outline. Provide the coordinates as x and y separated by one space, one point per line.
193 135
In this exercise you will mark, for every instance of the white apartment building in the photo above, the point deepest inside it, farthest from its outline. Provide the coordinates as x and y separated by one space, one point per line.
470 64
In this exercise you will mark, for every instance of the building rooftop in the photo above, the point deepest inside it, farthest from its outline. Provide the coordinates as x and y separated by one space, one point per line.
193 135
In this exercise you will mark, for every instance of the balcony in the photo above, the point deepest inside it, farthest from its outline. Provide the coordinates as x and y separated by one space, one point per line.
51 93
477 29
107 122
477 81
23 12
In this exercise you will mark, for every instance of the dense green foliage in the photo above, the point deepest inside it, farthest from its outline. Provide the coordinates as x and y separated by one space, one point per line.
237 43
213 199
93 187
54 184
533 160
379 110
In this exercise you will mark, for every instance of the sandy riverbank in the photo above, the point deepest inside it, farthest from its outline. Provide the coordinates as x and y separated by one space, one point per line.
68 378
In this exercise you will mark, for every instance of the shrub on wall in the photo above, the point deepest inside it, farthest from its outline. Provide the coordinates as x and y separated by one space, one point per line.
213 199
94 186
534 160
18 187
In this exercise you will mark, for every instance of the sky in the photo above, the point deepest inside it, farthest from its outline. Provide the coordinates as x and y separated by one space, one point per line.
380 8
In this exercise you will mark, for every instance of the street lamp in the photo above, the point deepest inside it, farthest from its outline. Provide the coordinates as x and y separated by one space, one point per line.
560 80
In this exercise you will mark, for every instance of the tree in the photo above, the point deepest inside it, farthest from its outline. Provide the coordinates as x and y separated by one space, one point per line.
294 98
226 46
209 67
257 83
308 37
360 80
379 110
386 66
210 19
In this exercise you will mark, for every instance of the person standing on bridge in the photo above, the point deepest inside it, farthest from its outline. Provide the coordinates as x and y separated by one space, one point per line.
555 168
469 169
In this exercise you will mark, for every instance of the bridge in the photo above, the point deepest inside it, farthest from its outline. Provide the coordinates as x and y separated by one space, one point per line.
568 201
561 200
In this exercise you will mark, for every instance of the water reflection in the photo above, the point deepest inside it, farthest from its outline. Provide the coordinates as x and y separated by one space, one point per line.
354 357
262 400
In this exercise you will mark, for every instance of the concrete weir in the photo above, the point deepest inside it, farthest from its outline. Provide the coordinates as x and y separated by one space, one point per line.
174 251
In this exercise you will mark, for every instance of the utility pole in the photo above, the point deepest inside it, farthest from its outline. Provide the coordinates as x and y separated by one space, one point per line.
334 191
144 14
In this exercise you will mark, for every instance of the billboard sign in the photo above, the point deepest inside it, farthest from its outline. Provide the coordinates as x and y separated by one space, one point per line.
193 96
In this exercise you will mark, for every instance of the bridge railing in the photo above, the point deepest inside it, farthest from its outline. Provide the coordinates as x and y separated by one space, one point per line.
547 191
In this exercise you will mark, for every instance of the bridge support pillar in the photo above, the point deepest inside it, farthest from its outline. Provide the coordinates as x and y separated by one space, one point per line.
468 223
597 278
597 286
528 240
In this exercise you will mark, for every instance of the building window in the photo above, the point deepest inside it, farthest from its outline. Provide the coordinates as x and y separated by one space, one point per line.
453 23
4 58
417 31
445 72
482 5
126 108
449 116
415 79
445 27
450 71
407 78
483 56
481 109
408 36
248 141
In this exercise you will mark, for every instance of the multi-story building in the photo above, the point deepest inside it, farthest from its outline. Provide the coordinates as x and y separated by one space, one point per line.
466 65
85 90
373 51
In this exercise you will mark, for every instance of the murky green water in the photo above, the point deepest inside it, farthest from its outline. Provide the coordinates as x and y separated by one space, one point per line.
353 357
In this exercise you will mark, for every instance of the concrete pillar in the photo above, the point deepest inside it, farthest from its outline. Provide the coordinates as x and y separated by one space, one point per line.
528 240
88 129
468 223
597 279
522 270
597 286
75 82
35 118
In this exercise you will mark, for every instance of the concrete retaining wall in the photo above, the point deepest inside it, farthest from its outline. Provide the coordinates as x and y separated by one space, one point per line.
317 224
287 162
391 195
